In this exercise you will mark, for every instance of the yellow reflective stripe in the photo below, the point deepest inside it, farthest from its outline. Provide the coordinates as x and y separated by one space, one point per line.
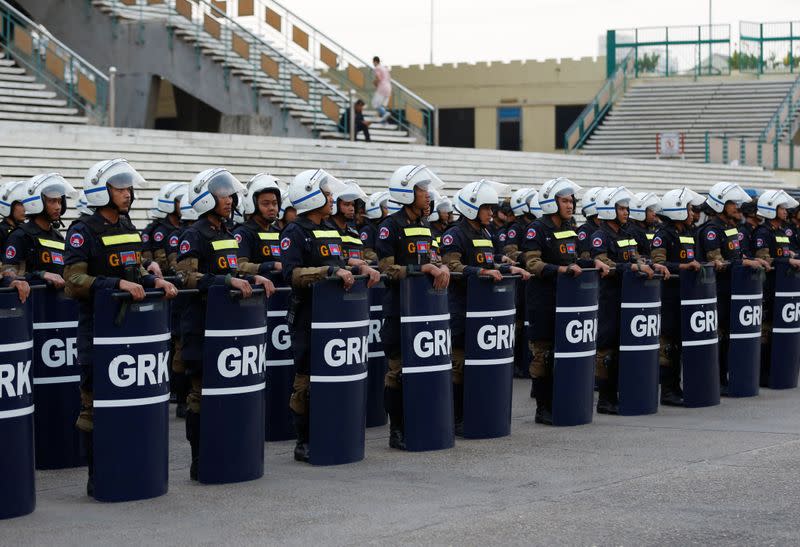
481 243
687 239
224 244
417 231
626 242
650 236
52 244
731 232
351 239
435 243
565 234
782 239
269 236
332 234
122 238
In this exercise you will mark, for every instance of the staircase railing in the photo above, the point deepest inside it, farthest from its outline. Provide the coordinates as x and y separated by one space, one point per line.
614 88
53 63
301 40
784 117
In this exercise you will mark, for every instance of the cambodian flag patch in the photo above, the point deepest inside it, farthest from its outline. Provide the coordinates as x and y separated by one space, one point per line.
233 261
355 253
571 248
334 249
423 247
127 258
689 253
489 258
275 249
58 258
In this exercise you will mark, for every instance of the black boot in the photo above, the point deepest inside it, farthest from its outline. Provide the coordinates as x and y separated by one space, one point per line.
301 450
393 404
458 408
670 388
607 399
88 443
541 388
193 436
181 388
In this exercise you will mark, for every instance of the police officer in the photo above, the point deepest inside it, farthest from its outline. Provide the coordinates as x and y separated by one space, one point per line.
311 251
155 215
82 208
642 221
522 218
404 246
794 226
674 247
169 219
771 244
343 205
591 225
287 213
750 222
467 248
549 247
104 252
375 211
614 246
440 217
259 239
499 226
719 242
11 209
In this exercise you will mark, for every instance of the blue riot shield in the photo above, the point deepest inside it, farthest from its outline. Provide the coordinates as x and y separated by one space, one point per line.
785 329
575 348
280 366
339 347
640 327
744 345
427 373
18 494
56 375
131 396
489 357
699 344
232 408
376 367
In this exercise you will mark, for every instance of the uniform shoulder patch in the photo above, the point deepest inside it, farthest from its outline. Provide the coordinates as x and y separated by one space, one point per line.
158 236
173 241
447 240
364 236
185 247
384 233
711 235
759 242
502 236
11 252
238 237
657 242
286 243
76 240
531 233
512 233
597 242
582 235
145 238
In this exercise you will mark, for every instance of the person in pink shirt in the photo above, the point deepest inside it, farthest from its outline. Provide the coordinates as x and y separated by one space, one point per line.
383 89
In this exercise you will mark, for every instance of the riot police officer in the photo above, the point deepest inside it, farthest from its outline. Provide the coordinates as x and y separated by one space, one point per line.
719 242
751 221
404 246
467 248
613 245
440 217
11 209
499 226
258 238
207 256
311 251
591 225
642 221
376 210
549 247
169 219
674 247
342 216
155 215
522 218
287 213
771 244
104 252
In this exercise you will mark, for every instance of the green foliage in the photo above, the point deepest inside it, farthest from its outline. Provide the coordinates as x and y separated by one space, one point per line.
648 62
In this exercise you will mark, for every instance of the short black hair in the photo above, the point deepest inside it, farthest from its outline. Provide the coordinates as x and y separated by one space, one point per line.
359 102
376 59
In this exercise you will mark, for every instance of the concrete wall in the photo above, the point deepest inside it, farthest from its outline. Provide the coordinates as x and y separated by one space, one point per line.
141 52
536 86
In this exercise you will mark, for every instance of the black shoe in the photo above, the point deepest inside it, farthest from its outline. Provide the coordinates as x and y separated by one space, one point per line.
180 410
459 428
396 439
193 436
193 469
670 397
521 373
724 391
607 406
533 388
88 443
543 415
301 451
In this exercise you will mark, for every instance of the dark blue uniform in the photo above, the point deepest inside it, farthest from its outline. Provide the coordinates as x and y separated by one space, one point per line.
259 249
31 251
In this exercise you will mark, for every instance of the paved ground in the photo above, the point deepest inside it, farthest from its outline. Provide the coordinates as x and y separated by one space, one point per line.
722 475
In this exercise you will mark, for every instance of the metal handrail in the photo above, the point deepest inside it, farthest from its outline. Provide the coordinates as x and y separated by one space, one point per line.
789 104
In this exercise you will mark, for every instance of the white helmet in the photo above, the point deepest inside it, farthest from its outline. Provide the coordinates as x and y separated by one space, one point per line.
210 184
608 199
475 194
769 201
443 204
351 191
262 182
641 202
117 173
82 207
154 211
588 203
533 205
675 203
51 185
306 190
406 178
375 203
554 188
168 194
285 202
519 200
723 192
9 193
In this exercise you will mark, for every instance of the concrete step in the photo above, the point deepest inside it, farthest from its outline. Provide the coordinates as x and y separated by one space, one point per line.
13 92
47 118
28 109
32 101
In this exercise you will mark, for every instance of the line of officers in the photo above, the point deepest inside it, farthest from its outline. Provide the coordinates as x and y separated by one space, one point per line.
217 231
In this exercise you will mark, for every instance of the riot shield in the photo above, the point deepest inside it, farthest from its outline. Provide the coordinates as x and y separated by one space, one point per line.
785 328
339 347
640 327
489 356
377 365
427 373
280 366
131 396
744 345
699 344
232 410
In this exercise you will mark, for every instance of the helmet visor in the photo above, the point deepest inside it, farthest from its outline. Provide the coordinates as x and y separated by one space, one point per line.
424 178
223 184
54 186
120 174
